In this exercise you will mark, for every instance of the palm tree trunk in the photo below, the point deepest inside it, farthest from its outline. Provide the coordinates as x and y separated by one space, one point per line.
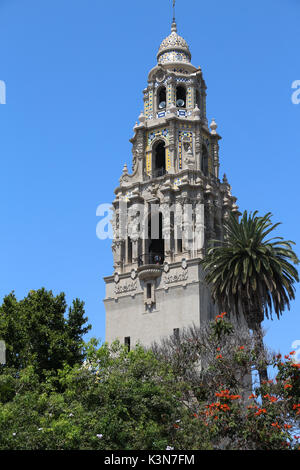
260 347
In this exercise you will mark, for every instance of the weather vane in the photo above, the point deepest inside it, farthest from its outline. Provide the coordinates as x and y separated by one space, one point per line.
174 3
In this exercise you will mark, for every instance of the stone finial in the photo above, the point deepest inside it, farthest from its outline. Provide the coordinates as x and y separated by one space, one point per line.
174 27
196 112
225 180
142 118
213 126
125 169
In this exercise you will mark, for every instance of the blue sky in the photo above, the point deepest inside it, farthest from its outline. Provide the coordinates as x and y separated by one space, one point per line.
75 71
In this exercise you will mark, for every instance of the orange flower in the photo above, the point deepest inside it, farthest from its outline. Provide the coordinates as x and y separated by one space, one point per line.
252 396
220 317
225 407
287 386
219 356
242 347
235 397
260 411
292 353
287 426
275 425
273 399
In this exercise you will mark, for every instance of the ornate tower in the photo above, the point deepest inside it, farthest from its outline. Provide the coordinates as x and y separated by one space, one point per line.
168 209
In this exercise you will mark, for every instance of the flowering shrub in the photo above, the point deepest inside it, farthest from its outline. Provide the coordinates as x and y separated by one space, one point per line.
193 392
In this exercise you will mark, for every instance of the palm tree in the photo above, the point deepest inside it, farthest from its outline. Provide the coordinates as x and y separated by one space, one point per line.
252 274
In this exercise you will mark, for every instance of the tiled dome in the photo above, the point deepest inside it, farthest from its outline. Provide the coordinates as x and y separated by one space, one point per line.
174 48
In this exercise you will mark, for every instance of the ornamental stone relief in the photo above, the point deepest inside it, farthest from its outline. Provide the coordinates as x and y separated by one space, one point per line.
127 287
176 277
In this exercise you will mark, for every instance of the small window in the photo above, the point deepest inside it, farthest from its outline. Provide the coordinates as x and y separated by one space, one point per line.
129 250
127 342
198 99
179 245
162 98
181 97
149 291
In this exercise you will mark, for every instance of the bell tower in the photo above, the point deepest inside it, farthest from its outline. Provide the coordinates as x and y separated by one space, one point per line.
168 209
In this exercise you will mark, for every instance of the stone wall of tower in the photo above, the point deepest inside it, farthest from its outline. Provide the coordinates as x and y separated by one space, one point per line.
149 296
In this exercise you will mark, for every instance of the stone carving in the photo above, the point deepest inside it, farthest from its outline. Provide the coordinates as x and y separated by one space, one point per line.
124 288
133 274
184 264
176 277
189 159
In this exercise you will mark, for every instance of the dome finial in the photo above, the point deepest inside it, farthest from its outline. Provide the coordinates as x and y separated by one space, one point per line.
174 48
174 25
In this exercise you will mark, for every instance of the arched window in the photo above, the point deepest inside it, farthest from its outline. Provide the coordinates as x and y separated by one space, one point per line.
159 159
204 163
180 97
156 240
129 250
198 99
161 98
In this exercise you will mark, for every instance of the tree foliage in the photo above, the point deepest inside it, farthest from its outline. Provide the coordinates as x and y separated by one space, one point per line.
193 392
38 334
251 272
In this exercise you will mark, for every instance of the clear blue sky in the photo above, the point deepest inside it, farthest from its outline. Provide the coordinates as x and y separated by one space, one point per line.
75 71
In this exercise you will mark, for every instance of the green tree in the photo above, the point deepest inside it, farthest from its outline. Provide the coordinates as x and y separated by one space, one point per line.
250 273
36 331
154 399
115 400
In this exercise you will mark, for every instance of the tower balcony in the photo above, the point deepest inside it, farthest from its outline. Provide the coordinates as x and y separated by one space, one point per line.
150 266
158 173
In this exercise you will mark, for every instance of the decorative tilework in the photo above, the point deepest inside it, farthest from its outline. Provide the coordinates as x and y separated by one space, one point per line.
189 97
173 56
170 95
150 110
148 163
146 112
177 183
183 80
158 133
181 71
168 159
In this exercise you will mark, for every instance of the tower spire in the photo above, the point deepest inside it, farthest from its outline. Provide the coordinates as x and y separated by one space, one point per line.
174 25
